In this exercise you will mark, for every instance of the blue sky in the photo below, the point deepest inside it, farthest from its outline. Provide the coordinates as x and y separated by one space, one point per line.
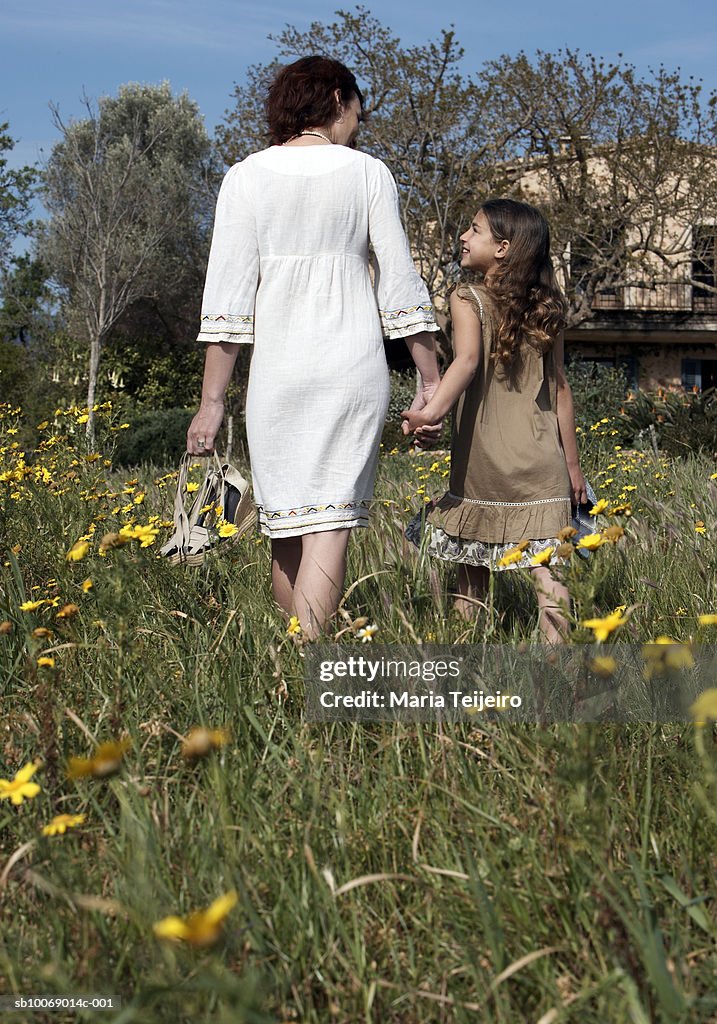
54 51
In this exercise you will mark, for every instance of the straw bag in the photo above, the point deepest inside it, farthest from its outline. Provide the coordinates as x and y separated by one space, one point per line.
224 497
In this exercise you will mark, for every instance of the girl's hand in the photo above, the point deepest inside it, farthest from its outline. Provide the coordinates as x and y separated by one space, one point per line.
204 428
428 428
577 485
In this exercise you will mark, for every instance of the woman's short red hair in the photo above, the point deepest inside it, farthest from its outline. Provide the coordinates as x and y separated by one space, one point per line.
303 95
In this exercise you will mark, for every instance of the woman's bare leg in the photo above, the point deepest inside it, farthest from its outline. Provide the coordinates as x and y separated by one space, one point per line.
320 579
285 561
553 606
472 586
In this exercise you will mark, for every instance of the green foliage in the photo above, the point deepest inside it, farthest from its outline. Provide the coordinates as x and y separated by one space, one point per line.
153 437
16 190
598 391
16 372
680 423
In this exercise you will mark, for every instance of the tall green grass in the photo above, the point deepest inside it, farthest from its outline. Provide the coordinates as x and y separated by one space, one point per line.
392 873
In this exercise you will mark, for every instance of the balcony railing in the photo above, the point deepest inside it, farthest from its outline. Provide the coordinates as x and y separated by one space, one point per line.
676 296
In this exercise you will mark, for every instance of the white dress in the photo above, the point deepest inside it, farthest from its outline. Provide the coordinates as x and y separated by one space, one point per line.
289 271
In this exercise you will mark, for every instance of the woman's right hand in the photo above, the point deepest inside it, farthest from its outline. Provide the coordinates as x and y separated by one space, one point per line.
204 428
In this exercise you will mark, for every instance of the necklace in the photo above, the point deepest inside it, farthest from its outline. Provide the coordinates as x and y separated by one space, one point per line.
319 135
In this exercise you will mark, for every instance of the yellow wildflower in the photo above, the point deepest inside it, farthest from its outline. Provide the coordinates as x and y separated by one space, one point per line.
603 666
199 741
192 487
613 533
591 541
31 606
599 507
42 633
511 556
543 557
294 627
5 628
665 654
202 928
705 707
106 759
227 530
67 611
707 620
87 585
45 662
61 822
566 533
700 528
78 551
112 540
83 418
20 788
602 628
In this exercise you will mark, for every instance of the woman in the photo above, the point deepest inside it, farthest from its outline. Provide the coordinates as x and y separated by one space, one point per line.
289 271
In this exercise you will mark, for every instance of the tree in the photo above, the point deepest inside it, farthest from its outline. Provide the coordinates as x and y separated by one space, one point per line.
126 188
16 189
622 165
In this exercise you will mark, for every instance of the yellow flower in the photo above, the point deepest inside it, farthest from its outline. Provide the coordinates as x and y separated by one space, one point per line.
31 606
78 551
367 633
83 419
42 633
700 528
591 541
566 533
87 585
202 928
67 611
707 620
200 741
227 530
511 556
705 707
5 628
664 654
112 540
603 666
146 535
599 507
106 759
20 788
613 533
45 662
602 628
543 557
294 627
61 822
191 488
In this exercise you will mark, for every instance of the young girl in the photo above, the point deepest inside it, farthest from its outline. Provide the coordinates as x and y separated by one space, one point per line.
514 460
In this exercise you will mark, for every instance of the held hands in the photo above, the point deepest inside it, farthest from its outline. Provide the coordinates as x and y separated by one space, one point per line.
204 428
425 427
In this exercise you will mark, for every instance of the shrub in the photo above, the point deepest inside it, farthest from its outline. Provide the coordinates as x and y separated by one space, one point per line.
158 437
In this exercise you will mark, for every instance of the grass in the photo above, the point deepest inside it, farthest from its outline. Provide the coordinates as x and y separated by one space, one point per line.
395 873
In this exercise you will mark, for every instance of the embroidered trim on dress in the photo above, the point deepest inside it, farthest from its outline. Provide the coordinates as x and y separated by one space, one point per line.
306 510
399 323
394 314
227 323
506 504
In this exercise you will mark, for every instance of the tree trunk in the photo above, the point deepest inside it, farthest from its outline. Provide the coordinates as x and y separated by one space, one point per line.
95 343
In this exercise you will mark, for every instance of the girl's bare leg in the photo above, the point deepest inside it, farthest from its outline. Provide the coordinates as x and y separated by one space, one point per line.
553 606
472 586
285 560
319 581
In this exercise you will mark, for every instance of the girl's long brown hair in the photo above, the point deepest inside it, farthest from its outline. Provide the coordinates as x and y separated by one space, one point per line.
524 286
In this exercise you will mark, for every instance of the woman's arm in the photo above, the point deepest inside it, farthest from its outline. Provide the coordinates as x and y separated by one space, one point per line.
218 366
467 345
566 426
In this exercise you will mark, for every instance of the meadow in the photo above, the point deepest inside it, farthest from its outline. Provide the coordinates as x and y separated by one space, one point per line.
178 835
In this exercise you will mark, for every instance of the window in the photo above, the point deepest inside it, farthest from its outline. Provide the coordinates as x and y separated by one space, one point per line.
704 267
699 373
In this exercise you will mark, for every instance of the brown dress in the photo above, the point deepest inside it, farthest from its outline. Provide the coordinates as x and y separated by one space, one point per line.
509 481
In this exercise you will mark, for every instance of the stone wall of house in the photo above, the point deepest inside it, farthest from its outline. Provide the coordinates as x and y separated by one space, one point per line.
658 365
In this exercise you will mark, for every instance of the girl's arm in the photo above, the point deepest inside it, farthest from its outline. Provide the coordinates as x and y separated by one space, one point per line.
566 426
467 345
